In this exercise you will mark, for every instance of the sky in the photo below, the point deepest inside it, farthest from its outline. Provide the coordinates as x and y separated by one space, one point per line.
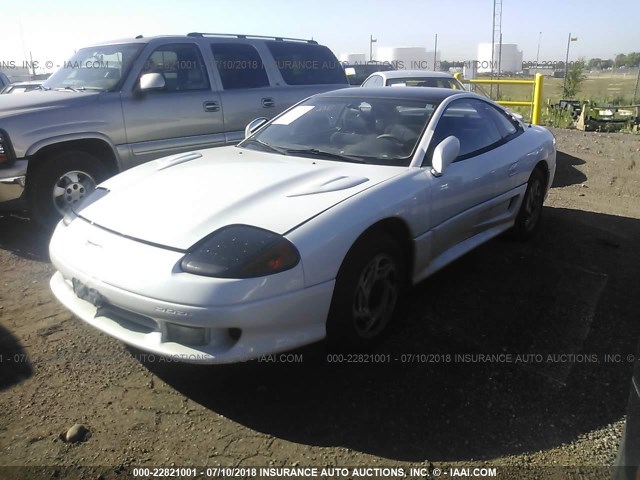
51 30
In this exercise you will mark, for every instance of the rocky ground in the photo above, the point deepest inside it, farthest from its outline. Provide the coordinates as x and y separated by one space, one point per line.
516 356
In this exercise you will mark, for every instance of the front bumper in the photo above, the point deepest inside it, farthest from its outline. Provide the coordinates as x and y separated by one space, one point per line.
12 181
264 327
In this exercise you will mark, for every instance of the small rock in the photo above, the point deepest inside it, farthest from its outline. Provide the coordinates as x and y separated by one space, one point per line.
77 433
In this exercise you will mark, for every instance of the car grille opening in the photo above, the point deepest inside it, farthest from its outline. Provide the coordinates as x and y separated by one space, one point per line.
129 320
234 334
192 336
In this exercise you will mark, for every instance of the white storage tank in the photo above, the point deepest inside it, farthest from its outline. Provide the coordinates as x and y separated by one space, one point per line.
352 58
407 58
509 61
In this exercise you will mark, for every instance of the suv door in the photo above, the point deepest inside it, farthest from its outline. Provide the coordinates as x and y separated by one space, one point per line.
185 115
245 91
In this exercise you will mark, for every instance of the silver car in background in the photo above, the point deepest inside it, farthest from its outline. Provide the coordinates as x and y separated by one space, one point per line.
412 78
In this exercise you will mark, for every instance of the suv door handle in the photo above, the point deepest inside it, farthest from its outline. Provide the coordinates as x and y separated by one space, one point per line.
211 106
268 103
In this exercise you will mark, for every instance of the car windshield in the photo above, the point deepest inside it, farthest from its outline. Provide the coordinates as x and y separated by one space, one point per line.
440 82
380 131
95 68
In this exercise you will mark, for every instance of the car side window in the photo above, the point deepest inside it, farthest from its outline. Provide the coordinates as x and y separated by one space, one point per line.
240 66
181 65
375 81
466 119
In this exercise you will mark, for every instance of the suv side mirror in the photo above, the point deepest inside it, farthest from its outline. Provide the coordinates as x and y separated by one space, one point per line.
151 81
444 154
254 125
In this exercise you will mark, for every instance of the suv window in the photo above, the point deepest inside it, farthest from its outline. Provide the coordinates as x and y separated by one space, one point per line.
306 64
468 120
104 67
358 72
181 66
240 66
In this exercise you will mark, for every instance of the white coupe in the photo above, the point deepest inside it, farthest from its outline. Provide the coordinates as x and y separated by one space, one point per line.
312 227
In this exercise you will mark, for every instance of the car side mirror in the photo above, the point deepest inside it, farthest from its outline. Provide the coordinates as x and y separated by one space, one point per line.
444 155
254 125
151 81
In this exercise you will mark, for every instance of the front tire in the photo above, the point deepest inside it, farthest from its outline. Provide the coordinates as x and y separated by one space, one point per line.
61 182
368 289
530 213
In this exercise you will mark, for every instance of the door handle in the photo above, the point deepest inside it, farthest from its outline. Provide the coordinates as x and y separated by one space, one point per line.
268 103
513 169
211 106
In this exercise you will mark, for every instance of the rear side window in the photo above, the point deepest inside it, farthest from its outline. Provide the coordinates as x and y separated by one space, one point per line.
240 66
375 81
505 125
306 64
423 82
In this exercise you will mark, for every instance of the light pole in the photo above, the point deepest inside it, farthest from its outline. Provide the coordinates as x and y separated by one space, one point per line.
371 42
538 54
635 90
435 53
566 64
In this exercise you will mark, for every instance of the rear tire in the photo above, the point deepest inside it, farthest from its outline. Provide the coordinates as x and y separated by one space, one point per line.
530 213
61 182
368 289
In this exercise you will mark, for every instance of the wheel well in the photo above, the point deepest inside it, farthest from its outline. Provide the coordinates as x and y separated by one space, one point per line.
399 231
98 148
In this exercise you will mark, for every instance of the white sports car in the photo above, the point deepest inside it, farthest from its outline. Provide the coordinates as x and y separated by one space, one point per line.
310 228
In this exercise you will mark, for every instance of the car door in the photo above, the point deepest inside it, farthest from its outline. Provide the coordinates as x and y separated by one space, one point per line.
473 191
184 115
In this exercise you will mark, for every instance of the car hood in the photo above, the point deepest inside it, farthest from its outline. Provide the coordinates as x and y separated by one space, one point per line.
43 100
177 201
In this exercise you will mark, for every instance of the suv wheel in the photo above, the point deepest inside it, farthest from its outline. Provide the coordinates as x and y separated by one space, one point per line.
62 182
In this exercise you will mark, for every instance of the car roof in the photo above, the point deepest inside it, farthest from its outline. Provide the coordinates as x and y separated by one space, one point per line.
414 74
429 94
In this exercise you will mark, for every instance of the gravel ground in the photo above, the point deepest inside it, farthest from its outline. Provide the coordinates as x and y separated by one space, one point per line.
558 315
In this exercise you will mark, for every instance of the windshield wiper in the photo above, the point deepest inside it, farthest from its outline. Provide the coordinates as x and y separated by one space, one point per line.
78 89
266 145
73 89
321 153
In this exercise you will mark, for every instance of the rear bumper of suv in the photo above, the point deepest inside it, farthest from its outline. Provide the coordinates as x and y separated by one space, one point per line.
12 181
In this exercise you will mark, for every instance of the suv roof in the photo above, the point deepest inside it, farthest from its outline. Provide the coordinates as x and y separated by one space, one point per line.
142 39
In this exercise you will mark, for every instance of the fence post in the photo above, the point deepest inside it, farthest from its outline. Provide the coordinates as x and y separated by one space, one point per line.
537 97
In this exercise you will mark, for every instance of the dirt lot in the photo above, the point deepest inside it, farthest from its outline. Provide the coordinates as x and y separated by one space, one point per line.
571 292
